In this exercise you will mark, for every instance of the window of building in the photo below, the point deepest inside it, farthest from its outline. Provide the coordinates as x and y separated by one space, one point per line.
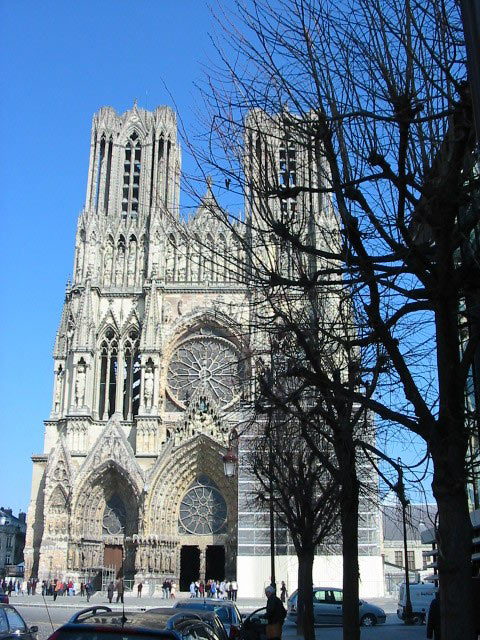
131 175
399 558
108 374
425 562
411 560
9 542
131 376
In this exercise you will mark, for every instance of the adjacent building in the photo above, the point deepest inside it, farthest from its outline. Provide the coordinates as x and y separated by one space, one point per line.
12 539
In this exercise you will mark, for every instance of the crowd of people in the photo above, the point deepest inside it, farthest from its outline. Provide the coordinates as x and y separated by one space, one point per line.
223 590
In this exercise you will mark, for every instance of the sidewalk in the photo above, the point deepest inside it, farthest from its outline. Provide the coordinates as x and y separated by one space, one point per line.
132 603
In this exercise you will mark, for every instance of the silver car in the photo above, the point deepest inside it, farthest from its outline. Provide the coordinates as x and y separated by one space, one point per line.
327 608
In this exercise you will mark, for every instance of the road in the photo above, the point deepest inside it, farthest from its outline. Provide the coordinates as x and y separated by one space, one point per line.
35 613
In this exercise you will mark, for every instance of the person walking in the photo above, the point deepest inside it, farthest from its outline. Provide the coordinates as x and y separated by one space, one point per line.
192 589
283 592
234 590
139 590
173 589
89 590
433 622
110 590
120 590
275 615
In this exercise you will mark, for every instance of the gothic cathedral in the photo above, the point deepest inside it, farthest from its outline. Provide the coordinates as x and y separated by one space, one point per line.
149 360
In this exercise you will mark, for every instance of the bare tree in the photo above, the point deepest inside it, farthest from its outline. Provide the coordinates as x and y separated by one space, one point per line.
305 496
375 96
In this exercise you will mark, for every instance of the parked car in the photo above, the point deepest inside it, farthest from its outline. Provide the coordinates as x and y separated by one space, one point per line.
101 623
254 625
226 610
172 616
3 597
327 608
421 596
13 625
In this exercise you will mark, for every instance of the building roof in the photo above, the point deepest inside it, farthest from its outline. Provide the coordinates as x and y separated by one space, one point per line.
420 517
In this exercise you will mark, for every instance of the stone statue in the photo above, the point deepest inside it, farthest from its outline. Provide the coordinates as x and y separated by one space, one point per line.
119 265
80 385
79 267
141 260
148 387
167 313
108 265
132 258
58 390
170 263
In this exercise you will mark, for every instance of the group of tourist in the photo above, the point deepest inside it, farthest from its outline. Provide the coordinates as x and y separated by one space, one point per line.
19 587
224 590
169 589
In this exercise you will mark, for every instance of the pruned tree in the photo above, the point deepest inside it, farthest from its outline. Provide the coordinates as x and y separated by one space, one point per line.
374 96
305 497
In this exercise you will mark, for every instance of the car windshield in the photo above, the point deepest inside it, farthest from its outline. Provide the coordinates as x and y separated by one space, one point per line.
115 633
222 612
15 621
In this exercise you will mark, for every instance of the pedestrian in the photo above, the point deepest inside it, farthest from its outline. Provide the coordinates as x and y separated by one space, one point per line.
173 589
229 589
283 592
139 590
433 623
89 590
234 590
213 589
275 615
192 589
110 590
165 589
82 589
197 588
120 590
201 589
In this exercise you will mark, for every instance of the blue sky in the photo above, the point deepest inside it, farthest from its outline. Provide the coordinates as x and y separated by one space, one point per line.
60 61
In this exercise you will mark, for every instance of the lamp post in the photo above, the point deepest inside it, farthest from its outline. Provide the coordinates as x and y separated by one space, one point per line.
272 520
404 502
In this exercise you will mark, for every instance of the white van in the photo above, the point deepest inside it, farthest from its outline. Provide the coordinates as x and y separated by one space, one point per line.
421 595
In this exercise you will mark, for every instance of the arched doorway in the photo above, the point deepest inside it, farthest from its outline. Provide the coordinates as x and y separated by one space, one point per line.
107 520
203 527
114 525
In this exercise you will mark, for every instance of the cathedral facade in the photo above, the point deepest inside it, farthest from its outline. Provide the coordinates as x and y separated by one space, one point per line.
149 361
152 369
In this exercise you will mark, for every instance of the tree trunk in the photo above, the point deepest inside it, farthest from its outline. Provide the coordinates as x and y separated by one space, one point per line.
454 547
349 523
305 595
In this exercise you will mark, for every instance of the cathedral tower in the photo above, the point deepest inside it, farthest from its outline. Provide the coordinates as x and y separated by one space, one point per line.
148 369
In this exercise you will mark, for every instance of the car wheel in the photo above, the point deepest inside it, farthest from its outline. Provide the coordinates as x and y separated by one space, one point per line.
368 620
417 618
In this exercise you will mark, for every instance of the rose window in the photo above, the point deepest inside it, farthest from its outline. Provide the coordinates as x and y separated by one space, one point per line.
203 510
114 517
207 362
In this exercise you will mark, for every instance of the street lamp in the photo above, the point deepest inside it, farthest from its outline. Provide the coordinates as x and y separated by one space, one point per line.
230 459
404 502
230 463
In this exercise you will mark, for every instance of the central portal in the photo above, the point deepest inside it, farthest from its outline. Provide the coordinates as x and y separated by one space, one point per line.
215 562
113 558
189 566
